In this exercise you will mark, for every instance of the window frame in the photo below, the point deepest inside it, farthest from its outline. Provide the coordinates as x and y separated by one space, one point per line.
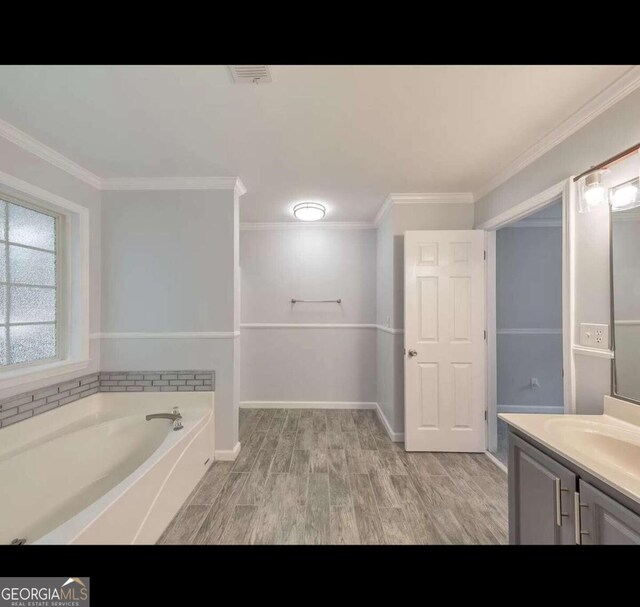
72 268
61 284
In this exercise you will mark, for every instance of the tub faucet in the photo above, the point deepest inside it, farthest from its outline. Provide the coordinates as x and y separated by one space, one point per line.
174 416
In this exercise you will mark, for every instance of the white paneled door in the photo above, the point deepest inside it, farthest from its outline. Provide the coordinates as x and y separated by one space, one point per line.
445 350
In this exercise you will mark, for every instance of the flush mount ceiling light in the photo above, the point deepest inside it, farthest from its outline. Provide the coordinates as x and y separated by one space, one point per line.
625 196
309 211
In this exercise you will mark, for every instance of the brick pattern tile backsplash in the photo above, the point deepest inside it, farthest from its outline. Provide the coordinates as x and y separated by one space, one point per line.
22 406
19 407
157 381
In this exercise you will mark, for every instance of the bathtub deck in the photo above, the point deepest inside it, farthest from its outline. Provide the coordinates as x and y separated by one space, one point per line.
334 477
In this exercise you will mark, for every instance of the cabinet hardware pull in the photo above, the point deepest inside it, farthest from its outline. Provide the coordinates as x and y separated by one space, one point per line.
576 514
559 513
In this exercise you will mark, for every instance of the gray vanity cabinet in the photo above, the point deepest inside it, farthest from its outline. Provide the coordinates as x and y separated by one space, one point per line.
541 497
604 521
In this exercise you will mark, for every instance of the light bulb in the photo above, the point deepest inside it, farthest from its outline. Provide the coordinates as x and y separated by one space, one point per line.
624 197
594 195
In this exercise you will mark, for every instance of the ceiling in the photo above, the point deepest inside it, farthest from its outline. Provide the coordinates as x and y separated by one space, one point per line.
343 135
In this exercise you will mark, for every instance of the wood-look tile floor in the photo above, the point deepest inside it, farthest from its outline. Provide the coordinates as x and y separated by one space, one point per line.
333 477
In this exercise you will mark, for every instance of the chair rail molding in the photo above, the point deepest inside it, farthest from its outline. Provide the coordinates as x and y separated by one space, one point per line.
285 325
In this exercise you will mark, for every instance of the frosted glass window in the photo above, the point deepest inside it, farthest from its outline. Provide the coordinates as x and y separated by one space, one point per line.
31 228
32 267
3 308
28 285
32 342
32 304
3 346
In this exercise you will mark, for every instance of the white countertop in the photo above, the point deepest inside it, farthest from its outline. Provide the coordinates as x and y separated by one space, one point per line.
607 446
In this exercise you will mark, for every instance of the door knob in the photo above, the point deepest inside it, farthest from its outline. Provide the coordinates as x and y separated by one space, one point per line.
412 353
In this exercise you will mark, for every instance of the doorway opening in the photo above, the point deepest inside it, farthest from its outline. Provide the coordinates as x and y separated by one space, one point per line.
529 361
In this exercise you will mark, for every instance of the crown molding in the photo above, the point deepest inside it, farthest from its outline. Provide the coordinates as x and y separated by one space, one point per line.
386 205
622 87
308 225
422 198
44 152
174 183
432 198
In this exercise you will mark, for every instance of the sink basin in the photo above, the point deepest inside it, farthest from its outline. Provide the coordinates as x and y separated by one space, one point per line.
613 444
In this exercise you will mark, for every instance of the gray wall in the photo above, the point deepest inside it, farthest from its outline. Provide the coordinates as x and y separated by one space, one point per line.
21 164
308 263
388 388
308 364
169 263
529 297
610 133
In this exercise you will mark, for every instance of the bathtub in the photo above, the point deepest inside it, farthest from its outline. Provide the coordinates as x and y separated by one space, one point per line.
96 472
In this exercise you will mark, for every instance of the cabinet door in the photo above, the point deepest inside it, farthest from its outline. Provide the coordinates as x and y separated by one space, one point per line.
541 494
603 521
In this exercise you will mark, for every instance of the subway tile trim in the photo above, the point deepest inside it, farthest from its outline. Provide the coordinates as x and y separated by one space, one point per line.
157 381
23 406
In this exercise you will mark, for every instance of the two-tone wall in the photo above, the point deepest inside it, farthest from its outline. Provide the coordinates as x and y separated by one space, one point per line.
613 131
529 314
169 289
304 354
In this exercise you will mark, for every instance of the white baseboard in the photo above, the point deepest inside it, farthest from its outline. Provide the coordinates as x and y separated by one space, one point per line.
496 461
305 404
530 409
227 456
396 437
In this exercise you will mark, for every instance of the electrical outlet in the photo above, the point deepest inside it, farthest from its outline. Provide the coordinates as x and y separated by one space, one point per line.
534 383
594 336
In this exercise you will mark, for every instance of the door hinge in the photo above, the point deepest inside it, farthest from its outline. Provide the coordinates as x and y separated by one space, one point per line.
485 255
562 372
485 335
485 415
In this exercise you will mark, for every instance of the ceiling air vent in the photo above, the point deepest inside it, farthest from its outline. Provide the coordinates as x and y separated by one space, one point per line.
251 74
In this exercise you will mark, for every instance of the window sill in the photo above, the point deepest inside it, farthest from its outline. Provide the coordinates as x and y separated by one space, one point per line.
15 377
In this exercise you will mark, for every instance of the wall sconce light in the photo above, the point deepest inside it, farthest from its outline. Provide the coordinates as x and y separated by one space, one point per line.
625 196
592 191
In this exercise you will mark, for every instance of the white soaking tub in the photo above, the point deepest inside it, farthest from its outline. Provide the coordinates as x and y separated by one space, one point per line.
96 472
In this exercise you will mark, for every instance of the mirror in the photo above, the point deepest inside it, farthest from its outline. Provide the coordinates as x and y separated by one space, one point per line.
625 277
